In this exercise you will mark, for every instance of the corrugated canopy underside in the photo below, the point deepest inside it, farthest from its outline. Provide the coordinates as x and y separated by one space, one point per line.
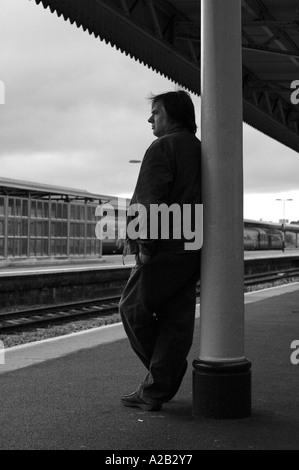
165 36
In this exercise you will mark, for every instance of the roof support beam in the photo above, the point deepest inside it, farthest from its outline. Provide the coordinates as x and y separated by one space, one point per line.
274 114
187 30
265 50
272 38
157 26
270 110
133 6
282 112
125 7
258 11
291 22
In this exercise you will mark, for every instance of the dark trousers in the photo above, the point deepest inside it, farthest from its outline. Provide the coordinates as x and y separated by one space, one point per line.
158 311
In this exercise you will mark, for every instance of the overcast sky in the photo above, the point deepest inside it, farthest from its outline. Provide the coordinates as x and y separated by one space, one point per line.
76 112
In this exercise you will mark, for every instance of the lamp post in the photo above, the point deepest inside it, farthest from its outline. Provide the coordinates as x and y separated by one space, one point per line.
283 221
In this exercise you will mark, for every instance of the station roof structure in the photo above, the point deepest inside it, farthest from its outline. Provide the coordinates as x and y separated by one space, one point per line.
18 188
165 36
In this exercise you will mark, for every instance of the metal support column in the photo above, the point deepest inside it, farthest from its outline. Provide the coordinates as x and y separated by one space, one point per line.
221 375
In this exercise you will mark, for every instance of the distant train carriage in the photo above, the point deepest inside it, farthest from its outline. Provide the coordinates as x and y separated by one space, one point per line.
271 235
291 239
263 239
275 239
251 239
255 239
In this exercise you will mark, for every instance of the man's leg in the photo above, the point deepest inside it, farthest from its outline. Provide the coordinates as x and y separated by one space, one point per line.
175 321
136 311
166 286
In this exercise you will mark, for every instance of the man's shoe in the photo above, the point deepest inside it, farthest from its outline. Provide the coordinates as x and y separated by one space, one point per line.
135 401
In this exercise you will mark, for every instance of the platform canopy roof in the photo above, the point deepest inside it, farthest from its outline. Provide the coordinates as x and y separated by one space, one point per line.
165 36
18 188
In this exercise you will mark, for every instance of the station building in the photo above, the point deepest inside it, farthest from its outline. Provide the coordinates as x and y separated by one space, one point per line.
39 222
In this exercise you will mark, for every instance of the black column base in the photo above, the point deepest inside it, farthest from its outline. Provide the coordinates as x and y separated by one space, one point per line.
221 391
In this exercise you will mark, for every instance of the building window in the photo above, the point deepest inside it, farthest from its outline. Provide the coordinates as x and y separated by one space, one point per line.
59 228
39 228
83 241
17 227
2 229
77 229
1 206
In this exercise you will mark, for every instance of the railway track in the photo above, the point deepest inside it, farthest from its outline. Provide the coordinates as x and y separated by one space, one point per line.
105 306
270 276
91 308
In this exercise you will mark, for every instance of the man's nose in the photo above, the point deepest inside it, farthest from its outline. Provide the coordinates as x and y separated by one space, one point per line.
150 120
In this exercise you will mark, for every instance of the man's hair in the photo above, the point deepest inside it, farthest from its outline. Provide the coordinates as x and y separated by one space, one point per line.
179 108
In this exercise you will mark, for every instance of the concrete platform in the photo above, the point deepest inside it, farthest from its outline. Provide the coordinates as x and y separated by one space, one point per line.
60 266
261 254
76 265
64 393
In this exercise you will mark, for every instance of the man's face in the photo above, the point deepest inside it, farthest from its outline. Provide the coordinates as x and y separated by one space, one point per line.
159 120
